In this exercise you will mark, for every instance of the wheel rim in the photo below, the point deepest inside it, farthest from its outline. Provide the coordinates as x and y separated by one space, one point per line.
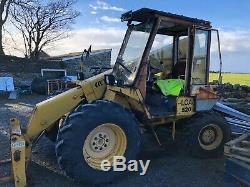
210 137
103 143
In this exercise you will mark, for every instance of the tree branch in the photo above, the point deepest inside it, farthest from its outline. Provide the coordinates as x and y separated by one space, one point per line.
43 24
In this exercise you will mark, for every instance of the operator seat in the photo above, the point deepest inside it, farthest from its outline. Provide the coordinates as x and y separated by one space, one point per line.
158 104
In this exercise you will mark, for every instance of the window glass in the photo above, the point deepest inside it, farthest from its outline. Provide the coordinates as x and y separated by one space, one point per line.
198 73
161 53
182 49
214 58
128 61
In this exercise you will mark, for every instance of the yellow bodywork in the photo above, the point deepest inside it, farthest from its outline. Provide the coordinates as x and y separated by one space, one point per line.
44 116
117 138
17 153
185 106
47 113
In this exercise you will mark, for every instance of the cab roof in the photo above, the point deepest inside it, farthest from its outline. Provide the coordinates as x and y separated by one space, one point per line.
142 15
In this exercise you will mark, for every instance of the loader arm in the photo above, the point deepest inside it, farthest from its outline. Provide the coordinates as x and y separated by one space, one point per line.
46 113
44 116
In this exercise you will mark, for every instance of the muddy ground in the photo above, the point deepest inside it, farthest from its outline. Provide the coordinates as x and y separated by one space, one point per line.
170 166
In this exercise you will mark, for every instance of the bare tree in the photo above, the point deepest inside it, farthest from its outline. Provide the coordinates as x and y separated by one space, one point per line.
42 24
4 12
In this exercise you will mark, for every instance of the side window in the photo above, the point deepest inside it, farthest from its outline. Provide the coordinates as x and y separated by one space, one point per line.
182 49
161 53
180 62
214 58
198 73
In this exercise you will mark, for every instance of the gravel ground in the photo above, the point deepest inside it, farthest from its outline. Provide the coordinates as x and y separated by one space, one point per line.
170 166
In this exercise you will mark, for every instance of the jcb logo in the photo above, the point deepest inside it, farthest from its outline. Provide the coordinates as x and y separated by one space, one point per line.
99 83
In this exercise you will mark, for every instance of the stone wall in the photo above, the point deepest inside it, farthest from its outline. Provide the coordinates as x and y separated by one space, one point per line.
21 65
102 59
228 90
236 96
24 70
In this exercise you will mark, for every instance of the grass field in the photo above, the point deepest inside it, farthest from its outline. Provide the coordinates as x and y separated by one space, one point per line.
233 78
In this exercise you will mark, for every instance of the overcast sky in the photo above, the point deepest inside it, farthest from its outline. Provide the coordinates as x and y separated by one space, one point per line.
99 25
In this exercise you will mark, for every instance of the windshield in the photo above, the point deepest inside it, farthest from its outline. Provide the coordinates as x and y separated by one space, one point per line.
131 52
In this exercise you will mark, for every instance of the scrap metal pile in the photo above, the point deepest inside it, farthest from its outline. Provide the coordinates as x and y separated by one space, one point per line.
237 165
235 103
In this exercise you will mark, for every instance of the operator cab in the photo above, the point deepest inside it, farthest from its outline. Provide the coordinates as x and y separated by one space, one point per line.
163 46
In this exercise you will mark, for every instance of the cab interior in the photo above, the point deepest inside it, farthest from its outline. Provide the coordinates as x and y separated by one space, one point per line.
167 60
173 47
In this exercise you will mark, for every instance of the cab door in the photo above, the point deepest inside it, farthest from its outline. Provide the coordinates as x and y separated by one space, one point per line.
200 61
205 96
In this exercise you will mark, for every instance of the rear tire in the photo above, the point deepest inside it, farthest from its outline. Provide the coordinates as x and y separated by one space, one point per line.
78 150
206 134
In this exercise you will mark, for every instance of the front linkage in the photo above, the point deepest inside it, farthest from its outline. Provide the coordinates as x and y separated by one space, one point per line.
18 153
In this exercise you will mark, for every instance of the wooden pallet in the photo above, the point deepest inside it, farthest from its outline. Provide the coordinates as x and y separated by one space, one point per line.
239 148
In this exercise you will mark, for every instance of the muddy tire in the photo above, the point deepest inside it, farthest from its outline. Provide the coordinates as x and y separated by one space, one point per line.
51 134
205 135
92 133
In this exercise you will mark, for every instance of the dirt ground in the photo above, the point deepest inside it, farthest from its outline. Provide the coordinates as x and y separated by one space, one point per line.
170 166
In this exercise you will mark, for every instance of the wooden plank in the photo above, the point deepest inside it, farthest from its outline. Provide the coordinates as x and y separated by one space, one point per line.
245 143
5 179
5 161
239 153
240 149
239 122
229 149
238 140
242 158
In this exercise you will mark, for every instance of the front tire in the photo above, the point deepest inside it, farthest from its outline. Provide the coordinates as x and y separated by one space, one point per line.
92 133
206 134
51 133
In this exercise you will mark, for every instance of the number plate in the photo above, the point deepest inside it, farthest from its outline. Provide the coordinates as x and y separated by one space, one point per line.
18 144
185 106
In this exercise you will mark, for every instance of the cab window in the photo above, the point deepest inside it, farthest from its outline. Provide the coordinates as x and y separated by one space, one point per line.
161 54
199 64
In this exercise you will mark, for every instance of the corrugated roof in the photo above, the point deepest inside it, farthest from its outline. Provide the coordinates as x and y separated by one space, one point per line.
143 14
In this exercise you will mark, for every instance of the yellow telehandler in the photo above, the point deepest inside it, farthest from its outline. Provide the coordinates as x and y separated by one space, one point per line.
160 77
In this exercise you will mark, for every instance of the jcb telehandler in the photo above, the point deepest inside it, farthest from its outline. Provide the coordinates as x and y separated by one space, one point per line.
102 117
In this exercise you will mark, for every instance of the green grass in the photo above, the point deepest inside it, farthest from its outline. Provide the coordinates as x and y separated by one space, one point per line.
233 78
